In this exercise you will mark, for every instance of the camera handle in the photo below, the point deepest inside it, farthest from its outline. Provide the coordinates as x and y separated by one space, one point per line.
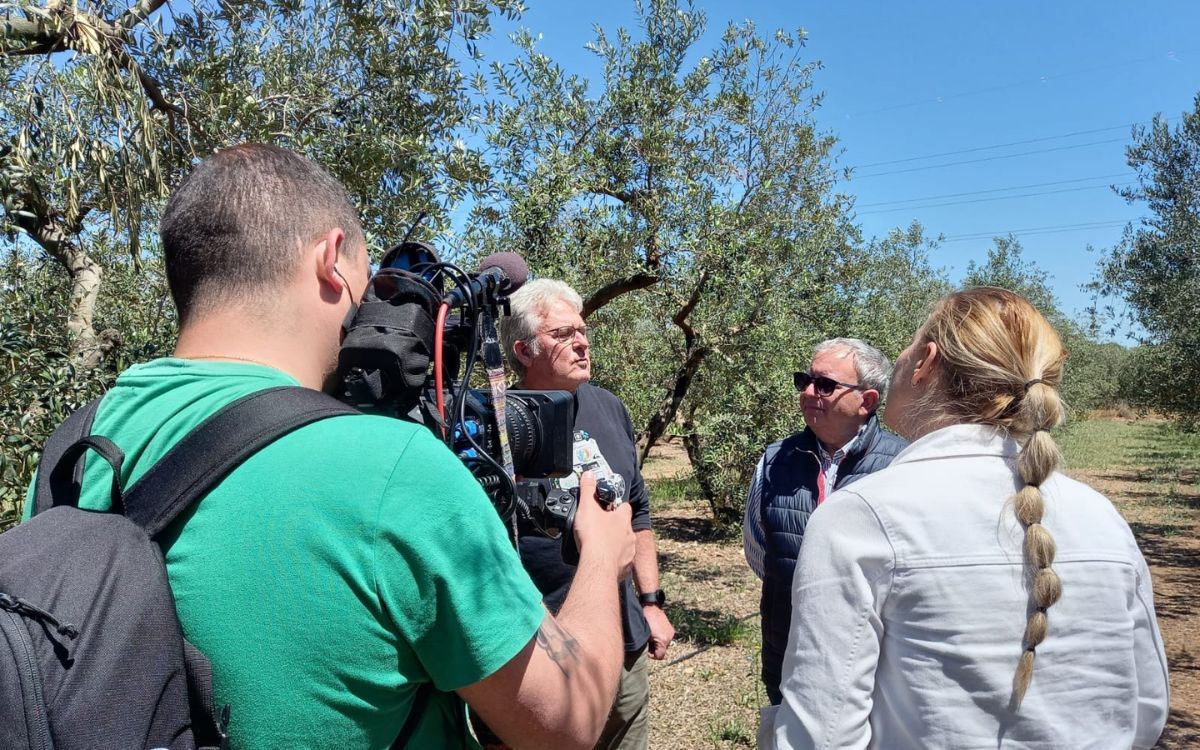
560 507
570 547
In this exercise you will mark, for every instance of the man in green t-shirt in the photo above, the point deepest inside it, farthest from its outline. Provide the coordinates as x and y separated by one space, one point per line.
354 559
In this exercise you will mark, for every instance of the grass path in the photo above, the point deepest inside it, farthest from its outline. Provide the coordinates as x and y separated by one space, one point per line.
706 694
1149 470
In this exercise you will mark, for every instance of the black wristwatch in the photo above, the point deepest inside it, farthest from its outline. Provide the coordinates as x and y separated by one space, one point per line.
657 598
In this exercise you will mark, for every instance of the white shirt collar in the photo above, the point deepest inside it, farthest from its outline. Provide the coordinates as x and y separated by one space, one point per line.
961 440
842 452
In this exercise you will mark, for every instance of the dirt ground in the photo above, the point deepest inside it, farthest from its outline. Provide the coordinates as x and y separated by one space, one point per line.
1172 549
706 693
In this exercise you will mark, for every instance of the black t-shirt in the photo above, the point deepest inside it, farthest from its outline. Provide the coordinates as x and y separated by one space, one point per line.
599 416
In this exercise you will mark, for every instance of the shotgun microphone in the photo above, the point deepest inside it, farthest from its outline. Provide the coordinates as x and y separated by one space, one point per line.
499 273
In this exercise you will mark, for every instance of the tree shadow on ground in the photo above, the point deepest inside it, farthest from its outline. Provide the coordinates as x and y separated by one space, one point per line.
1162 546
694 529
711 627
688 568
1156 454
1130 475
704 629
1190 502
1184 662
1168 606
1157 498
1183 731
1176 562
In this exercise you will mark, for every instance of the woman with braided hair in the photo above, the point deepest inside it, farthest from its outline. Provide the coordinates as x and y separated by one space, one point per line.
970 595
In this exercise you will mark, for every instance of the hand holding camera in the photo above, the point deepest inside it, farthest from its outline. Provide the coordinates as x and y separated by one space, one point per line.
602 532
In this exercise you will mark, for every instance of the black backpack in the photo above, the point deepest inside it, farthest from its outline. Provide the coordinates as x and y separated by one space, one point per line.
91 651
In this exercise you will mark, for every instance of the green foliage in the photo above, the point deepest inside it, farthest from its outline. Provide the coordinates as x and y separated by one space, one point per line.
1095 374
1155 377
92 139
634 344
689 196
731 732
39 386
1007 268
884 292
1155 270
672 493
687 193
374 91
894 292
711 628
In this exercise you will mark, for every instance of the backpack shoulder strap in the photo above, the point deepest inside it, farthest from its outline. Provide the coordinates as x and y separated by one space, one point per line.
73 428
218 445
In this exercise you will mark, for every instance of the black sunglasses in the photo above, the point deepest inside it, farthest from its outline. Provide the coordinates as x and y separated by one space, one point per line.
822 385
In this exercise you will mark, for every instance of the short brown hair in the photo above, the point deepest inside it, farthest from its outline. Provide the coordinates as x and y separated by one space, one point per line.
236 224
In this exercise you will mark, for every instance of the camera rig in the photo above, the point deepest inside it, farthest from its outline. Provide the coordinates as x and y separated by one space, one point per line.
419 310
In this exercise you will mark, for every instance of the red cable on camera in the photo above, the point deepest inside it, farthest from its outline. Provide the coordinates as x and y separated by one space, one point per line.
439 331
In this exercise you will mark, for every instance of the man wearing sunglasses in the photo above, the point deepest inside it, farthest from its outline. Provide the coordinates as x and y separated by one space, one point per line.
841 442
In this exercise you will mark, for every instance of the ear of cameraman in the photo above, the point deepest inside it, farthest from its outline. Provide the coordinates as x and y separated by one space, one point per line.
354 559
578 654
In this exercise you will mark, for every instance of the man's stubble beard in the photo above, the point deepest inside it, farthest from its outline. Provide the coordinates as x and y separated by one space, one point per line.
330 382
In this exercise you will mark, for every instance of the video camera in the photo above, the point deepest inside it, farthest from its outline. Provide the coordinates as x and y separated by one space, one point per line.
418 310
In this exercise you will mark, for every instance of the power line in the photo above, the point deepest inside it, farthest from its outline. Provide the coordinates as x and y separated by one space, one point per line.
976 149
1032 234
1082 225
1034 230
993 158
988 200
998 145
993 190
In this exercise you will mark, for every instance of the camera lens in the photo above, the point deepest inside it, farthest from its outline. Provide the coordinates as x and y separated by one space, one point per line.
522 433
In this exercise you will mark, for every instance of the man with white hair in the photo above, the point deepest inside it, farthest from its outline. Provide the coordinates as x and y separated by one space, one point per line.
546 341
841 442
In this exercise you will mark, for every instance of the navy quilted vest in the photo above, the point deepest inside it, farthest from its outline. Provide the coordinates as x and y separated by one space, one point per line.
789 496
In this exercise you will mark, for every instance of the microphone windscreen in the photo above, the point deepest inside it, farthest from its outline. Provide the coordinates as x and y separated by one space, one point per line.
514 267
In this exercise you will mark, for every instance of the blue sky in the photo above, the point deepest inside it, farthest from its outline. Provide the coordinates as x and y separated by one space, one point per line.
907 80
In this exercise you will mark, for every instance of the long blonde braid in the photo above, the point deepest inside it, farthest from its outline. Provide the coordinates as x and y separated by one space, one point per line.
1001 361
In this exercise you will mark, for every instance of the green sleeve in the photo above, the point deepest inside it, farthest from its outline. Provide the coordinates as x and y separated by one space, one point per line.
27 511
446 572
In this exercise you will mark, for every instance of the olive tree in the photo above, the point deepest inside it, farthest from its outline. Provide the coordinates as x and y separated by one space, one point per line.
691 198
1151 279
106 104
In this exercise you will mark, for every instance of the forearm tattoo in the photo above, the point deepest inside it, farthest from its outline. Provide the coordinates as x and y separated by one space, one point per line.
559 645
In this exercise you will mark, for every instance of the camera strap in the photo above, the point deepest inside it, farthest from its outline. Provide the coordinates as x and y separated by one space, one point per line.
493 362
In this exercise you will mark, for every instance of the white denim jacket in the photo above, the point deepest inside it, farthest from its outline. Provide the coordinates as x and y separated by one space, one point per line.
909 606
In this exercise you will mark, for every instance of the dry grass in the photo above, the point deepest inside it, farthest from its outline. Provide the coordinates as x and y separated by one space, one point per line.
707 692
